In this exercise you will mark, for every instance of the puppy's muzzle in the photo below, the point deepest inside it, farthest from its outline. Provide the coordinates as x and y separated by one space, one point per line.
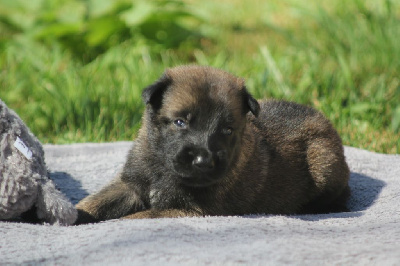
199 165
203 162
195 159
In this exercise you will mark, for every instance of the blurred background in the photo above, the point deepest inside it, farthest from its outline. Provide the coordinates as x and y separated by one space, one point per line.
74 69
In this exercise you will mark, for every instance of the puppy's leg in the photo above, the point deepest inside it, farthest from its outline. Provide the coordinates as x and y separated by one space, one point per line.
330 172
171 213
114 201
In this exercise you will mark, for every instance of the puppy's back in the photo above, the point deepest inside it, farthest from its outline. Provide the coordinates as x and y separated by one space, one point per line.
303 144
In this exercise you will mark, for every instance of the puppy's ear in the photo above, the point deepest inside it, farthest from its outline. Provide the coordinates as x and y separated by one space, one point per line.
153 94
250 103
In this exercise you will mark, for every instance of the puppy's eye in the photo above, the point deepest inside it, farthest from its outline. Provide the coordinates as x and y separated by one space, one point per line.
180 123
227 131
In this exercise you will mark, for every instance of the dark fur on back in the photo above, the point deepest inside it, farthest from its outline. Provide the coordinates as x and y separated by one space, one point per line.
207 147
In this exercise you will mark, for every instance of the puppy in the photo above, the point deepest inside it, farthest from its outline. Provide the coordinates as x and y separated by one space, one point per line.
207 147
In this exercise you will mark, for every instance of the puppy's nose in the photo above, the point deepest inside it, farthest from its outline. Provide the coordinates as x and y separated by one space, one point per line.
203 162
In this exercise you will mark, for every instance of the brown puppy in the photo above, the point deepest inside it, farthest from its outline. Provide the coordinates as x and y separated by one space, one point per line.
207 147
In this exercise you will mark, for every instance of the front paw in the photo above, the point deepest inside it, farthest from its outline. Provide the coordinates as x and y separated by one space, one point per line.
172 213
148 214
85 218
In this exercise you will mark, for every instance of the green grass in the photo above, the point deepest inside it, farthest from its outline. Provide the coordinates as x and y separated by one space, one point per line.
341 57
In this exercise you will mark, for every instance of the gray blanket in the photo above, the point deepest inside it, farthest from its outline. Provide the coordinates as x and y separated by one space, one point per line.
369 234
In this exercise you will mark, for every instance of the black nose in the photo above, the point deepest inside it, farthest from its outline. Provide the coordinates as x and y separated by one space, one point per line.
203 162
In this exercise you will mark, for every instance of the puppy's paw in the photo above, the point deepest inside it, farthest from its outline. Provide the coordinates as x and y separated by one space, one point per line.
84 218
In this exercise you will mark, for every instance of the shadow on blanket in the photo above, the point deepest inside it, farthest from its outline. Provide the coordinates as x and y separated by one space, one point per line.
69 186
364 191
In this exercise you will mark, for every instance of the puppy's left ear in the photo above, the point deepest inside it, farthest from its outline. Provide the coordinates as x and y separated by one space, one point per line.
153 94
251 103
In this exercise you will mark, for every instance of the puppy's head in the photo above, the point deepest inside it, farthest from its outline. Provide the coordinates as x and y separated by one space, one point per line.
195 118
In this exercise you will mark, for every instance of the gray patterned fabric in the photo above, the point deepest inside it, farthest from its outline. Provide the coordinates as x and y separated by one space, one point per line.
24 183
